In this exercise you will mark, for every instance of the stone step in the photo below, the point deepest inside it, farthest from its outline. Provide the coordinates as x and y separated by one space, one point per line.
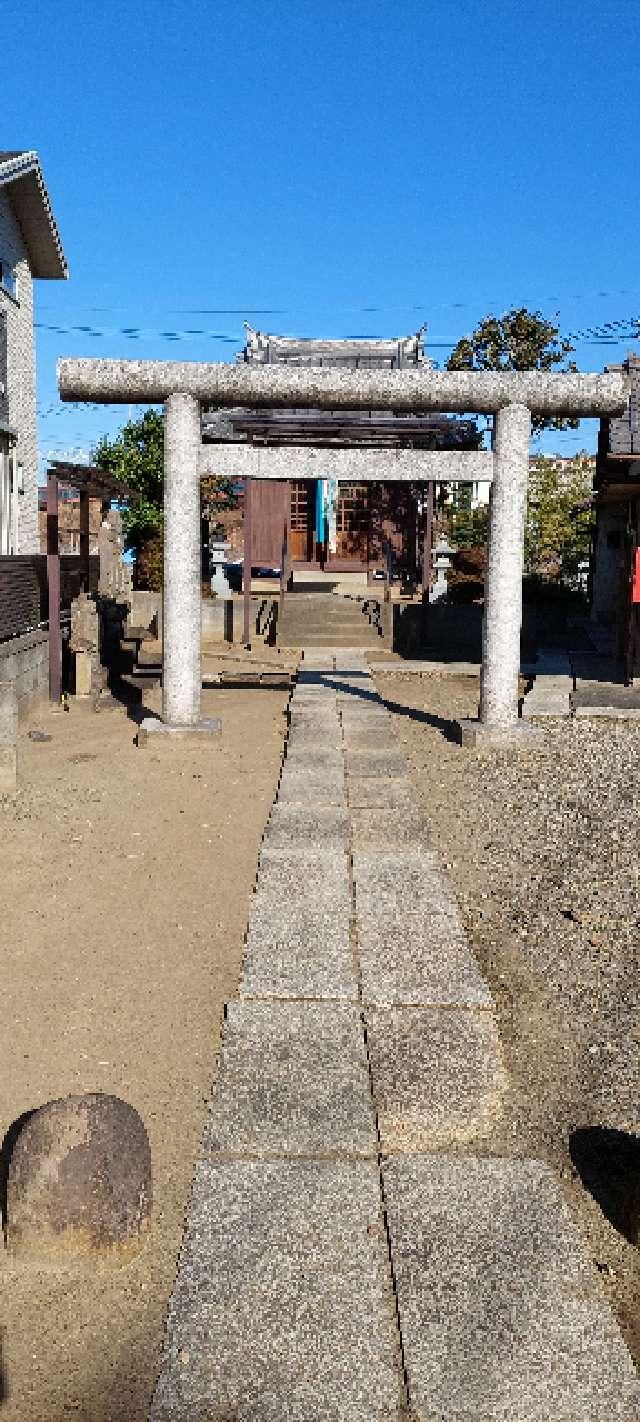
321 639
501 1315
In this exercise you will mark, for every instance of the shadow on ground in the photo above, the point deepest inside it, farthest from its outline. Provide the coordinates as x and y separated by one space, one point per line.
608 1163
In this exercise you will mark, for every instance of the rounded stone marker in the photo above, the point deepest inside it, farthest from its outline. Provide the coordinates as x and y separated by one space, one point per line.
79 1180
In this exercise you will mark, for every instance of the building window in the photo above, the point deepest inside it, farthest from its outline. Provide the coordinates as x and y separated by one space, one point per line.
8 278
299 504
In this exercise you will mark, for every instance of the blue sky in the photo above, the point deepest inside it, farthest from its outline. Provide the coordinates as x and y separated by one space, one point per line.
338 169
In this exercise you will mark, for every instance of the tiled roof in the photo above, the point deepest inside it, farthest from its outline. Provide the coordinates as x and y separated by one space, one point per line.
398 352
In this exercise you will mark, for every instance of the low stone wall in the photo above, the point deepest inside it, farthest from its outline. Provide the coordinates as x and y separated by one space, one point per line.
24 664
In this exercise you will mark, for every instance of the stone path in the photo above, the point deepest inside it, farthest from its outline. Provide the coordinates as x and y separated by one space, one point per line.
344 1261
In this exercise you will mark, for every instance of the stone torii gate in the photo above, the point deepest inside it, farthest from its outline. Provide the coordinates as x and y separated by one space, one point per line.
183 387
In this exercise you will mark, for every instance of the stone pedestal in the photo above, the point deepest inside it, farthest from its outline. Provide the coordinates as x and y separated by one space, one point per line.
161 731
477 735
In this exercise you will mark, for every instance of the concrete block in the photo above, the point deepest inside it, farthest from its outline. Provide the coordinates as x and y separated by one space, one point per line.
298 950
502 1318
438 1075
292 1080
282 1310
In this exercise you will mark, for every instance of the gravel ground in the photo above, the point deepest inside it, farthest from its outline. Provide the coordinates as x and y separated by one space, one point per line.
542 849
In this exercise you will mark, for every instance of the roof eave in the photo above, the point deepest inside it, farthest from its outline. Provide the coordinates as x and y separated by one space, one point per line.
30 201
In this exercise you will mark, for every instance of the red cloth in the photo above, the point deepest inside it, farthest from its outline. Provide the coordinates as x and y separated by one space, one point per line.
635 586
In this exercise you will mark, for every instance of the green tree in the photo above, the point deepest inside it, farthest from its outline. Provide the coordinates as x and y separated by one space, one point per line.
136 456
518 340
558 526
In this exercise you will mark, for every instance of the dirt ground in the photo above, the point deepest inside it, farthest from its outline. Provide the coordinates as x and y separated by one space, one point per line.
124 891
541 847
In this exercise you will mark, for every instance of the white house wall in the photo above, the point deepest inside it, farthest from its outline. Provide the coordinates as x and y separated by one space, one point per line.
21 375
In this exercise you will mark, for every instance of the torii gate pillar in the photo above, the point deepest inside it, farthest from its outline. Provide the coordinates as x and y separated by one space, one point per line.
181 670
505 559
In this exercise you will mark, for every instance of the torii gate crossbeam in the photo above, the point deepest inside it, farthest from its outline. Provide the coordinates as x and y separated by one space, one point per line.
184 386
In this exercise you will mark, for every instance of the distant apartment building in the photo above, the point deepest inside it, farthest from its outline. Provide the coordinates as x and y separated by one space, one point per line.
30 247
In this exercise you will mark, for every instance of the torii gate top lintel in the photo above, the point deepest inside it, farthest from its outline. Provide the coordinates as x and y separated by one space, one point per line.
569 393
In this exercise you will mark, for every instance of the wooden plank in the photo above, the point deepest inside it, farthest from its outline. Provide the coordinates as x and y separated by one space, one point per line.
427 541
53 584
248 555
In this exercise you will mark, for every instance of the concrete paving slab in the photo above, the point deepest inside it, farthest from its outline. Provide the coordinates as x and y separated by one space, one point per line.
422 959
318 723
319 760
400 881
286 862
282 1310
317 687
364 697
366 792
502 1318
351 660
306 824
314 676
425 668
316 659
297 882
385 829
303 787
293 1080
549 696
390 765
363 718
378 739
298 950
438 1075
